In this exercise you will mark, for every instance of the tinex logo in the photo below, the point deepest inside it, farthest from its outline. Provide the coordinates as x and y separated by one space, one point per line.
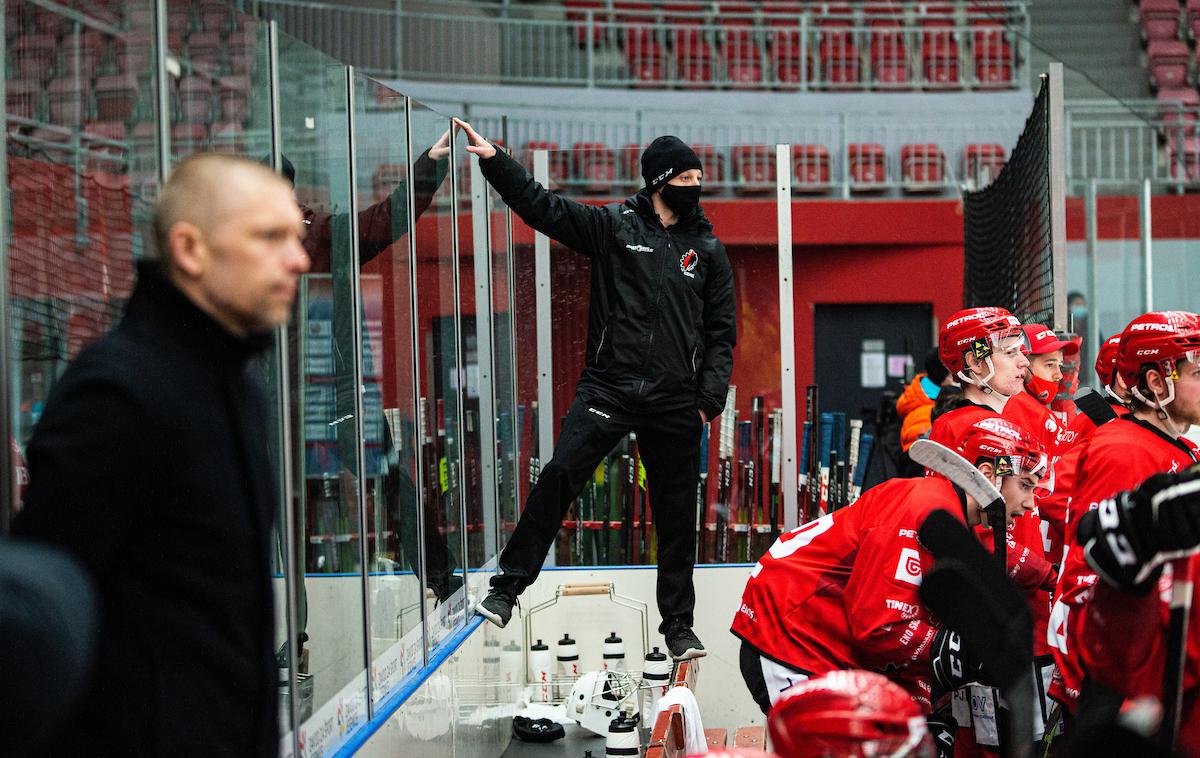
687 263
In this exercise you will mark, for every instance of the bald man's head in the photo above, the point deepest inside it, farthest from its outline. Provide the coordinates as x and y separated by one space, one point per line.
228 232
202 189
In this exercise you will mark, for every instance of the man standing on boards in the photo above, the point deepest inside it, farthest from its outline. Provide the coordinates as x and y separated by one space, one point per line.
659 355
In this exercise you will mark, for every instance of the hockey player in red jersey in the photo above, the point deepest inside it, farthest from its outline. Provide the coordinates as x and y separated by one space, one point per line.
985 349
841 592
1075 578
1137 542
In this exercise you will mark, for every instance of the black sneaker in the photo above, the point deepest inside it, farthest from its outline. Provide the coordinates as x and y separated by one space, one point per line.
497 606
683 642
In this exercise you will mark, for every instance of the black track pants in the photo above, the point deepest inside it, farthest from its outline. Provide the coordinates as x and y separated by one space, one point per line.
669 444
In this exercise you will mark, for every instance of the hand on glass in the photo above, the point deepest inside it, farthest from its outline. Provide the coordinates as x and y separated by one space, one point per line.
440 149
475 144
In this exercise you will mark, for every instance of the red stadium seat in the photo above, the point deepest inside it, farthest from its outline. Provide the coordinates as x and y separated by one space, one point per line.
68 103
686 23
235 98
133 51
739 48
839 60
993 57
82 50
214 17
753 169
939 59
1160 19
116 97
982 163
195 99
1185 164
646 65
784 34
242 44
23 98
1178 108
810 168
33 56
889 57
595 167
635 21
558 170
579 12
922 168
1193 18
1168 60
107 145
188 138
630 166
714 168
179 23
693 62
204 50
932 15
868 167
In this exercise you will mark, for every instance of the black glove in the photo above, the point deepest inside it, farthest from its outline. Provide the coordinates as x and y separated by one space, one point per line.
1127 538
952 666
943 727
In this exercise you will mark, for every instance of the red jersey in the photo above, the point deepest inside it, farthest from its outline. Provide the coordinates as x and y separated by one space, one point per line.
841 592
1119 456
950 427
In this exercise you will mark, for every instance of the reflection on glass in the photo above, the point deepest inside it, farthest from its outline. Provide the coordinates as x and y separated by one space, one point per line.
503 374
76 171
215 89
324 381
387 342
477 524
438 382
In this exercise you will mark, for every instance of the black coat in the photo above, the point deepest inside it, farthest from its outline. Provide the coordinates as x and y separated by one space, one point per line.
661 320
150 464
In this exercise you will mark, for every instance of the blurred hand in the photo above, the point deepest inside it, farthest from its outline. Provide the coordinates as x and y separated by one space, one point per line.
440 149
475 144
702 416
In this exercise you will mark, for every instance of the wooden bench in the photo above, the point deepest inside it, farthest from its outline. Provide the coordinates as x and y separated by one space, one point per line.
753 737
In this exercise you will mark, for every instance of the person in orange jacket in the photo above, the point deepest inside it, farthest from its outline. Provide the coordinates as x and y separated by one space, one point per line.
915 405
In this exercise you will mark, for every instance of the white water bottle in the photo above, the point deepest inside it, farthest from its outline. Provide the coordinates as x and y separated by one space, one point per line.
568 665
656 677
541 669
614 653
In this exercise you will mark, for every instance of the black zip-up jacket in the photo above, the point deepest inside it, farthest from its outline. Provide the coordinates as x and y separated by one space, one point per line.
661 319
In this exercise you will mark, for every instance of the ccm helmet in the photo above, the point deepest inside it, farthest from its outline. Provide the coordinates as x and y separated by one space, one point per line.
1159 339
978 332
1011 450
850 714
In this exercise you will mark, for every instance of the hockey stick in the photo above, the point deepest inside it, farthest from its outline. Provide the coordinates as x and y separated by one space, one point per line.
1177 639
942 460
728 424
776 465
701 492
814 462
852 457
968 592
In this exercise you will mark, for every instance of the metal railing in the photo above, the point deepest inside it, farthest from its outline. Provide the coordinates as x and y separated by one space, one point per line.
817 47
1125 142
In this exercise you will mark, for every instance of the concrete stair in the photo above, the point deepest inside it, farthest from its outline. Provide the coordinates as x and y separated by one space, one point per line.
1096 38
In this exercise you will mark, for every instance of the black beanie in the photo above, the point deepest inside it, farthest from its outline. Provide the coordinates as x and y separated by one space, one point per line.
666 157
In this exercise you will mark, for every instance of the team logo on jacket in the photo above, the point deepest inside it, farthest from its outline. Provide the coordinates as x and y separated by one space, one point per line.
687 263
909 567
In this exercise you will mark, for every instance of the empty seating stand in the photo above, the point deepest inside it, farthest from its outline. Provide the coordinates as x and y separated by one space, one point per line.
1160 19
753 169
594 167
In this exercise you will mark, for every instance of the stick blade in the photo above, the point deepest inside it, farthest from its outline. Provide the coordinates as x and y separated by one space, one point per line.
942 460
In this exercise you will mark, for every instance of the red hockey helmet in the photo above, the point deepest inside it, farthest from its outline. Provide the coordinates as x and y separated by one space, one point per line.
976 331
1161 339
848 713
1010 449
1106 360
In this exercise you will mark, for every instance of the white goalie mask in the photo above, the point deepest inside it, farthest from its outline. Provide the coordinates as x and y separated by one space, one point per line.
598 697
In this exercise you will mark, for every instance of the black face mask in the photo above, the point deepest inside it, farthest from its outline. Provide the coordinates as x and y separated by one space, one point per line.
681 200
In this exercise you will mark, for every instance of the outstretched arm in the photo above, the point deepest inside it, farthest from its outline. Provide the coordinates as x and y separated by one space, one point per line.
583 228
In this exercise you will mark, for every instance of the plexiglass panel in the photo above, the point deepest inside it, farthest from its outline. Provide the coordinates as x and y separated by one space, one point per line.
390 418
439 379
325 381
81 155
